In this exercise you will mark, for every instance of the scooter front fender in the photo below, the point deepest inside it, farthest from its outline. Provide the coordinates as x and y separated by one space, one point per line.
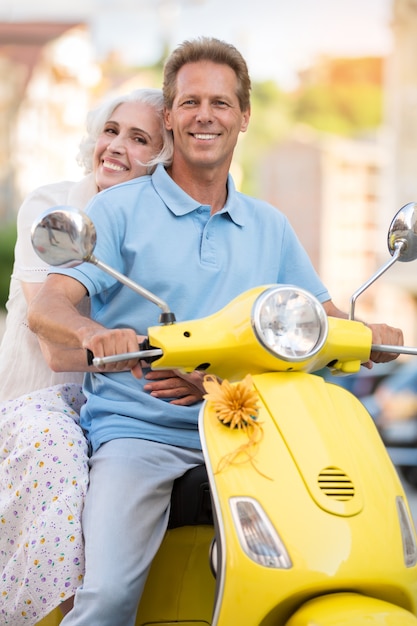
350 609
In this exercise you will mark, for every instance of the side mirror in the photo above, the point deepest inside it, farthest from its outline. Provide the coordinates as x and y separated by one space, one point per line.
402 233
402 245
67 237
64 236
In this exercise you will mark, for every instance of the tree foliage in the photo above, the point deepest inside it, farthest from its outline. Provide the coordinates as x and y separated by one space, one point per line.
7 242
342 96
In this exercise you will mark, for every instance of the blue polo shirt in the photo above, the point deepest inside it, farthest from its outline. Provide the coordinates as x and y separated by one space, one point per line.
152 231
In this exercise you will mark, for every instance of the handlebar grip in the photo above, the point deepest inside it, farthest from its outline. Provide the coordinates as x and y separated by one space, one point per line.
90 357
144 346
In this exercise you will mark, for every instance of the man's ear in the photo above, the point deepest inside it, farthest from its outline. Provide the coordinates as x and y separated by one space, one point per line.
167 119
245 121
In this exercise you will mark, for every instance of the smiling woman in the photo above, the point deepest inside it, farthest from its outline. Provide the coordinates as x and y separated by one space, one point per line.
43 459
124 149
125 139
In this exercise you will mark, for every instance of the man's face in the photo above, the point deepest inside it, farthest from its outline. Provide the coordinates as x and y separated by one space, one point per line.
205 117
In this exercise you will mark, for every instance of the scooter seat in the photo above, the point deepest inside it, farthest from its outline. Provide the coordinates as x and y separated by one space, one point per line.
191 500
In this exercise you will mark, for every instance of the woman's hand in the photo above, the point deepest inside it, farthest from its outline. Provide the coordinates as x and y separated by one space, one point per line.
183 389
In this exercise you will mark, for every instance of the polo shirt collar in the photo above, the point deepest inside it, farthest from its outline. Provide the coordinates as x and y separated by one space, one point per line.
180 203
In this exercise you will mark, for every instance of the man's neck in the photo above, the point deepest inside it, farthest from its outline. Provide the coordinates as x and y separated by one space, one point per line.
206 186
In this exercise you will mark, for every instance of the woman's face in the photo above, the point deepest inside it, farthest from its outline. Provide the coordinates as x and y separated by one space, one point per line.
129 139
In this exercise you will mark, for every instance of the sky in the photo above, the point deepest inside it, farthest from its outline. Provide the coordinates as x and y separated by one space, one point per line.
277 37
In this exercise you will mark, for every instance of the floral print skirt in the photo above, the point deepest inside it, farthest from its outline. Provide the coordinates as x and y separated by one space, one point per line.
43 481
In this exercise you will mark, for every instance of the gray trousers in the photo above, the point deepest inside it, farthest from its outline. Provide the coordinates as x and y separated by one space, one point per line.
124 521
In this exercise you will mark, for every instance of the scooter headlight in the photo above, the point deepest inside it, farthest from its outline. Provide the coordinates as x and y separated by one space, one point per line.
290 322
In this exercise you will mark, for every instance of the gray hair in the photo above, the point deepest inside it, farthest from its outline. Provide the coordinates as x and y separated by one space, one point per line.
97 118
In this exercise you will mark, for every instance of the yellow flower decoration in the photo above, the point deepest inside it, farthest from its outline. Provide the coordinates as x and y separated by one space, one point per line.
237 407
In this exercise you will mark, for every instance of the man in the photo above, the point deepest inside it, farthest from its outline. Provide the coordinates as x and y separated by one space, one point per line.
188 236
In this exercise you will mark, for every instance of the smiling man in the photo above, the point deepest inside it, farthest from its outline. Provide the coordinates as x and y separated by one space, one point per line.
187 235
206 117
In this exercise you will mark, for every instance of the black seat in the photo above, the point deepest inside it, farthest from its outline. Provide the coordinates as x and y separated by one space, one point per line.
190 500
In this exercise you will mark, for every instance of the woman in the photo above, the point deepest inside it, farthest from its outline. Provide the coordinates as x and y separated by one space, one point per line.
43 458
115 149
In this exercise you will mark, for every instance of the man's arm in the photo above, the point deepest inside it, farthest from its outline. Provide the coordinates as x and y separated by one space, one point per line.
53 316
64 335
59 359
381 334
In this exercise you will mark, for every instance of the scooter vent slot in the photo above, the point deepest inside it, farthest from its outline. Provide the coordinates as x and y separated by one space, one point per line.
335 484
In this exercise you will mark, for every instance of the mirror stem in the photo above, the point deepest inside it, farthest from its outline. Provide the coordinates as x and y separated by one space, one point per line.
396 254
168 317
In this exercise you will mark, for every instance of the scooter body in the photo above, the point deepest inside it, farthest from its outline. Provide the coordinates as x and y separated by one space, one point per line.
325 484
311 524
323 478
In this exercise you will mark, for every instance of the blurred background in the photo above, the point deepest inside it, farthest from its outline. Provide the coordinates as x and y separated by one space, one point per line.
332 140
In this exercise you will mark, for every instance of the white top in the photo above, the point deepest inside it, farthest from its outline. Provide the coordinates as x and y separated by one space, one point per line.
22 366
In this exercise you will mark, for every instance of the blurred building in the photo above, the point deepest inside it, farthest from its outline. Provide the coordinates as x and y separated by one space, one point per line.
401 124
331 189
401 101
47 71
49 79
341 194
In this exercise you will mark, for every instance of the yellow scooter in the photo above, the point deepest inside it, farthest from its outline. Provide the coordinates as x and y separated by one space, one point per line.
308 523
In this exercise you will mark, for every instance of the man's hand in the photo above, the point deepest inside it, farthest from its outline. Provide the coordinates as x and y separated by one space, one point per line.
381 334
108 342
186 389
388 335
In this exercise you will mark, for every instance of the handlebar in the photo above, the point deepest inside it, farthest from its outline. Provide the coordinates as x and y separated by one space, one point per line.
394 349
150 355
144 355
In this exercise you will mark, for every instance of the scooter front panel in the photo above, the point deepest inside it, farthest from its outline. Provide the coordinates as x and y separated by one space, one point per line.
331 546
